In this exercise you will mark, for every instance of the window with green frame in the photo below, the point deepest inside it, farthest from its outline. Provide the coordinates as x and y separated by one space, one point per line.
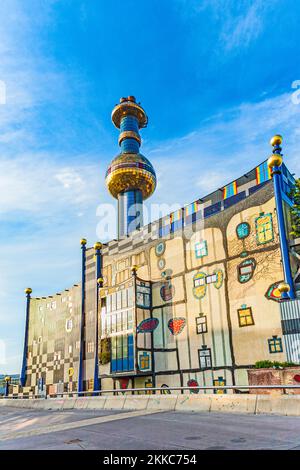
201 249
264 229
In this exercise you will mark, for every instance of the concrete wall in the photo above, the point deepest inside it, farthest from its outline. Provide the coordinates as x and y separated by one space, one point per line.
287 405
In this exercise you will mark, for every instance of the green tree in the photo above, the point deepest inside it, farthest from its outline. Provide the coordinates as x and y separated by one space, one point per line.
295 211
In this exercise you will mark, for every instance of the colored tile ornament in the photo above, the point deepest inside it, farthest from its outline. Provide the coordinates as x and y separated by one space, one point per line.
193 383
230 190
263 173
199 283
175 216
167 292
264 229
148 325
219 275
246 270
176 325
242 230
160 248
273 292
192 208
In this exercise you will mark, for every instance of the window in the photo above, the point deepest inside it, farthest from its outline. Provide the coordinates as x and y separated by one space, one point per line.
204 357
122 353
90 347
160 248
70 348
243 230
144 361
143 295
124 298
201 324
69 325
245 316
210 279
201 249
119 300
264 229
218 383
246 270
275 345
199 281
77 345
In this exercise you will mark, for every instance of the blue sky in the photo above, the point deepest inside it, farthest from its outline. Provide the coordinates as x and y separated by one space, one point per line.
215 78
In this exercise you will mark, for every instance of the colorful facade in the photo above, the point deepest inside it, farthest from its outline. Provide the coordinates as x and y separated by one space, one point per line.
191 299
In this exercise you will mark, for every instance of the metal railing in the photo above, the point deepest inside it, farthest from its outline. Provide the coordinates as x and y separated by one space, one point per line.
161 390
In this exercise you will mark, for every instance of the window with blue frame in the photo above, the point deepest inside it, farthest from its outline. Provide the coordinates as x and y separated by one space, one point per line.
122 355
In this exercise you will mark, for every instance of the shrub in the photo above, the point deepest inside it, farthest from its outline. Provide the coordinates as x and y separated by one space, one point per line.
105 351
266 364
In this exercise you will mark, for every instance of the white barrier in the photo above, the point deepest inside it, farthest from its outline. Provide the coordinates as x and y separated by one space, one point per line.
287 405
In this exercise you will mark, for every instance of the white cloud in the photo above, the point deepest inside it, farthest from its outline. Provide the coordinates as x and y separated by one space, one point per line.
224 148
237 24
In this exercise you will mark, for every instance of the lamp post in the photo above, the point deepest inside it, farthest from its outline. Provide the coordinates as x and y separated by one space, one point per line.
275 163
7 384
28 292
97 248
83 243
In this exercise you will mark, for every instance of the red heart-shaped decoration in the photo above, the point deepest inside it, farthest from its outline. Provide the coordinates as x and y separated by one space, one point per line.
176 325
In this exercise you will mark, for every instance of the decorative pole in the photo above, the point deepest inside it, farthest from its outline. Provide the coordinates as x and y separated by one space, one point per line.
28 292
83 243
7 383
97 248
274 163
134 269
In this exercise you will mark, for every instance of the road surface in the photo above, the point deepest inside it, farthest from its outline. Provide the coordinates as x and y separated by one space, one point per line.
110 430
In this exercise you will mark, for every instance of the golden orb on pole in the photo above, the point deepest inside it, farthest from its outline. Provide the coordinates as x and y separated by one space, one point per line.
284 288
83 242
276 140
28 291
134 269
275 160
97 246
100 280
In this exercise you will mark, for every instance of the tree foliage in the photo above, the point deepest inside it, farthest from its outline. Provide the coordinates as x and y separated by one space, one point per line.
295 211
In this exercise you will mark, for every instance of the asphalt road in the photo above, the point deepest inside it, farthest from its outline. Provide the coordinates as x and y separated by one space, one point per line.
110 430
